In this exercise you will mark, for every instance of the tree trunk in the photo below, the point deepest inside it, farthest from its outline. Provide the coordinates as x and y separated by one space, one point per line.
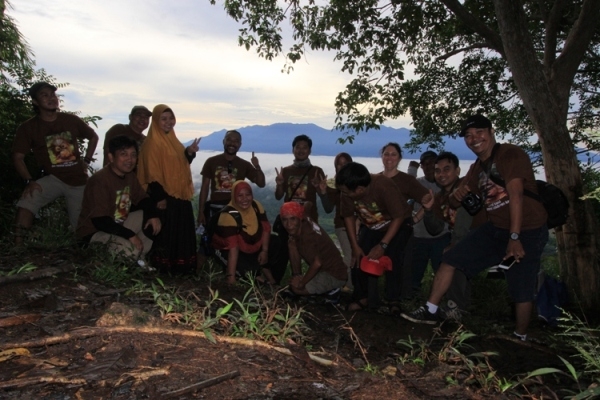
577 243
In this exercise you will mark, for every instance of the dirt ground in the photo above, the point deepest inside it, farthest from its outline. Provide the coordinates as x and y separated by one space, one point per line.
68 337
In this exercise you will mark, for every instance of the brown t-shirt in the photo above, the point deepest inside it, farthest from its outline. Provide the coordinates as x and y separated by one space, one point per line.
107 194
223 173
300 190
410 187
54 145
121 130
314 242
381 203
509 162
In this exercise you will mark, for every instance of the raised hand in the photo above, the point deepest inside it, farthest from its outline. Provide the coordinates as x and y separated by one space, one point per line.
194 147
320 182
254 161
279 180
427 200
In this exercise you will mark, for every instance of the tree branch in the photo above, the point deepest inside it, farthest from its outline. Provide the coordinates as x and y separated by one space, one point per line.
492 37
481 45
552 24
577 43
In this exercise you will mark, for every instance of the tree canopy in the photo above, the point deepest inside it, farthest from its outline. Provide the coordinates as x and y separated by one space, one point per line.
530 65
454 48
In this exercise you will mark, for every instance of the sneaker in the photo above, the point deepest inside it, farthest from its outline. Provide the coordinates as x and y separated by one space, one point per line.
450 311
520 337
333 296
421 316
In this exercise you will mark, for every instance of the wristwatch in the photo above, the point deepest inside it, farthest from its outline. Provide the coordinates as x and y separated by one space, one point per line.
383 245
514 236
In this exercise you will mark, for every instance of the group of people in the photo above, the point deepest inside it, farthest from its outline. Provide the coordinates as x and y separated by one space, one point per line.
388 223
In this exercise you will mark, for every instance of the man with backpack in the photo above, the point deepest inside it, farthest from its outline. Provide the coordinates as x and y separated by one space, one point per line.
516 225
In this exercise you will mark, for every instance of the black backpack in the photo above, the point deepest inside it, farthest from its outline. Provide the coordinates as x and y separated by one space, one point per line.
553 199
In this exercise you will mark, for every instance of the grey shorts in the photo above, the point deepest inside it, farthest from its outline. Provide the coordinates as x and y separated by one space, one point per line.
52 189
322 282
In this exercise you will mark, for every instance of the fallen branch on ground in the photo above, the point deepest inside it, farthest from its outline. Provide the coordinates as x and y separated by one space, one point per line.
200 385
35 275
19 319
18 383
84 333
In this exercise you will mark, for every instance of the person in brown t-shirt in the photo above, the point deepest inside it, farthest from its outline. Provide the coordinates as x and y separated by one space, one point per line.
109 194
413 191
221 171
53 137
298 182
516 226
309 242
139 119
385 229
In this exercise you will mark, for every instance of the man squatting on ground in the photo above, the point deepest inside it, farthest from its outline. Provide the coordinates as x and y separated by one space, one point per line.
107 200
52 136
309 241
300 183
516 225
139 119
221 171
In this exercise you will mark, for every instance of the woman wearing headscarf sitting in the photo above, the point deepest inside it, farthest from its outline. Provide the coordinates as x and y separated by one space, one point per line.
243 232
164 171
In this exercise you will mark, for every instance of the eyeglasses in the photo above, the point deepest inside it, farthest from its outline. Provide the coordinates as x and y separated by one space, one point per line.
229 167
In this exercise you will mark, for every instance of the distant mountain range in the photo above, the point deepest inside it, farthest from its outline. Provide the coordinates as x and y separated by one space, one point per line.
277 139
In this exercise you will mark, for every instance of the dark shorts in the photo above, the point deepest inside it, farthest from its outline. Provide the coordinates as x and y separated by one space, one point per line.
485 246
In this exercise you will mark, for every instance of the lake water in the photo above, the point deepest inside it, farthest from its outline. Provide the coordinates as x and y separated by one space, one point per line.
269 162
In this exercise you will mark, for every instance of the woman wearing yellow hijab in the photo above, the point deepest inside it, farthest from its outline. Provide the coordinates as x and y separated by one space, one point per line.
164 171
245 246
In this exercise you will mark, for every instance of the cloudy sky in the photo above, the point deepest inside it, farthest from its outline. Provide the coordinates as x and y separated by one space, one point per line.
119 53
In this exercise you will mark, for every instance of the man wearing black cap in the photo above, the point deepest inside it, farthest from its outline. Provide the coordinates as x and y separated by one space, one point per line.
139 119
424 247
516 225
52 136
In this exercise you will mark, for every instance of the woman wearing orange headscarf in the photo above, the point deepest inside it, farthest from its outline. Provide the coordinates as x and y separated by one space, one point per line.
164 171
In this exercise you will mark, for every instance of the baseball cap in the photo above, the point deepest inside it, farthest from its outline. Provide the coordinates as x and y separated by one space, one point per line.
376 267
475 121
36 87
428 154
142 109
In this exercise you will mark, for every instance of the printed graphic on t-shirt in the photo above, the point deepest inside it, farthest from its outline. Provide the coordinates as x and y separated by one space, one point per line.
449 215
61 149
495 195
301 188
370 215
123 204
224 178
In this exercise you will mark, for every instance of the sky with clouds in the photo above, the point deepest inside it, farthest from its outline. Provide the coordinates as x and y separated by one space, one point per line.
184 53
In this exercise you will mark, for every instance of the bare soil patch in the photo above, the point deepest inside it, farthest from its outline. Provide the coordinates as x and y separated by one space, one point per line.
73 338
